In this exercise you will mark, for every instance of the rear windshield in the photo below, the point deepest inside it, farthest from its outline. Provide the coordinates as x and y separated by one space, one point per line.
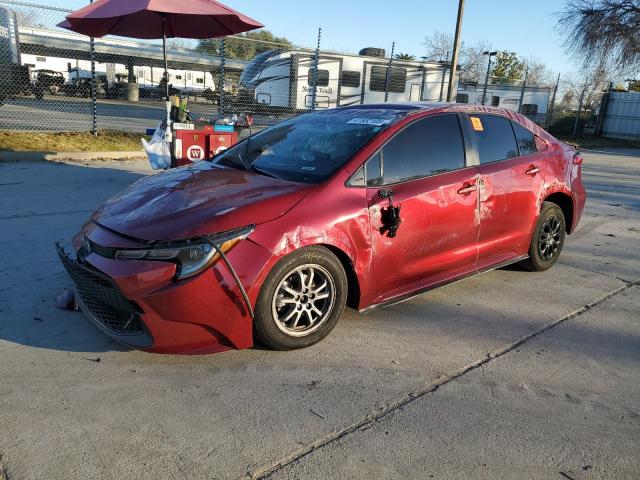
311 147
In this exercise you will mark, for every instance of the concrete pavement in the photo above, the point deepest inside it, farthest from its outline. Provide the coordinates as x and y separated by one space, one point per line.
443 374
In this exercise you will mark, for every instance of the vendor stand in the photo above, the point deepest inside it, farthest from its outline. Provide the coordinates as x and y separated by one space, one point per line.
177 138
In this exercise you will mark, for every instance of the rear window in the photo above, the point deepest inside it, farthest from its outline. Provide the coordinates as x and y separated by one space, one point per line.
526 139
494 138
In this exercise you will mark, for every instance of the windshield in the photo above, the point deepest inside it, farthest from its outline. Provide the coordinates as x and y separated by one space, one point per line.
311 147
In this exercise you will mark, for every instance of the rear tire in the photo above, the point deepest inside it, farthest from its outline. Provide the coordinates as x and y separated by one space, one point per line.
548 239
301 300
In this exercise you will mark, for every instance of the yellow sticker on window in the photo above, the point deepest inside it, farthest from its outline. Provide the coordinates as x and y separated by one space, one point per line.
476 123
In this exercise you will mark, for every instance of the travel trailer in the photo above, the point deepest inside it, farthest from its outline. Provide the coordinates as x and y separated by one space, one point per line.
74 70
284 79
535 100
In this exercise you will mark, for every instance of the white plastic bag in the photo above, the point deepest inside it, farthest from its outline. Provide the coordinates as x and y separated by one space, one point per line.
158 150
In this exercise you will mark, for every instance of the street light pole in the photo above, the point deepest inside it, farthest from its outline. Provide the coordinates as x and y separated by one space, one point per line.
486 81
456 49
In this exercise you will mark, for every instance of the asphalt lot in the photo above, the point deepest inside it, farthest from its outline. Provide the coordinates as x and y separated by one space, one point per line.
76 114
506 375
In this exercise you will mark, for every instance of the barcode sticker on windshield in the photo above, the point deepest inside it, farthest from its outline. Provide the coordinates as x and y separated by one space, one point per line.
376 122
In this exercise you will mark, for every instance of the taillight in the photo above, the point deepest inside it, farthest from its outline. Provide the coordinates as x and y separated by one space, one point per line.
577 159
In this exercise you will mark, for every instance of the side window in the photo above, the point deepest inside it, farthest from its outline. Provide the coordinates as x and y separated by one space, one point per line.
428 147
526 139
350 78
495 101
397 79
494 137
373 169
462 98
323 77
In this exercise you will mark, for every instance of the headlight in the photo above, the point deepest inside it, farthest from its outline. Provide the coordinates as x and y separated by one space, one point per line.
191 256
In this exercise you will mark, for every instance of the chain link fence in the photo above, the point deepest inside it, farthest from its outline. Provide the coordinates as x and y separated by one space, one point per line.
54 80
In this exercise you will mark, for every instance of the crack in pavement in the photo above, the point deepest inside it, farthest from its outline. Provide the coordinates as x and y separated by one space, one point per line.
408 398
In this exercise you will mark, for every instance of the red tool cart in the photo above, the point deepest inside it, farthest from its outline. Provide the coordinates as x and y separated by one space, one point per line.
193 143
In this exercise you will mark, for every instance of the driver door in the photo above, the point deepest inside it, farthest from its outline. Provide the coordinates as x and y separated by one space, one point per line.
425 171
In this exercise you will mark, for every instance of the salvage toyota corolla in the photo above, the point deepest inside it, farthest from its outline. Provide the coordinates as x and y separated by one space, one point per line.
364 206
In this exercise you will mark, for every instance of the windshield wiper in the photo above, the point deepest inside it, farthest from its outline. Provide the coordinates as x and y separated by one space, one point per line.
265 172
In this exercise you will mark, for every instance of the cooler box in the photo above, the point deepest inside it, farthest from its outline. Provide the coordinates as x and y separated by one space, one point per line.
194 143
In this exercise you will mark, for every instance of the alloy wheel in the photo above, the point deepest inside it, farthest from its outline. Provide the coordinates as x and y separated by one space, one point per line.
303 300
549 238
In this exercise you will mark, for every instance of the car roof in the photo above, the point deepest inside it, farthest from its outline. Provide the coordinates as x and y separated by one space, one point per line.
411 108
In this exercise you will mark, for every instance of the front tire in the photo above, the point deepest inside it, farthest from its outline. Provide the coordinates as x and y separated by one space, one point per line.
301 300
548 239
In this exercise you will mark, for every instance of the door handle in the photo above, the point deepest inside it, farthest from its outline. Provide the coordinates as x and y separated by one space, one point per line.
468 189
533 171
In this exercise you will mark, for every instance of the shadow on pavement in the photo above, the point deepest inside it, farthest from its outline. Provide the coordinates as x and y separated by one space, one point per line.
41 203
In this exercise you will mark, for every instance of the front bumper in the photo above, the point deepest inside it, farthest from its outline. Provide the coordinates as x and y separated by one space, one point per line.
102 302
204 314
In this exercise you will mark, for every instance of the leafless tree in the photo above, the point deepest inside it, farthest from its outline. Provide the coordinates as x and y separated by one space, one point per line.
603 31
473 66
539 74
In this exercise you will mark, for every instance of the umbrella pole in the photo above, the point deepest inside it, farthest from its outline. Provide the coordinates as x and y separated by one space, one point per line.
164 53
166 68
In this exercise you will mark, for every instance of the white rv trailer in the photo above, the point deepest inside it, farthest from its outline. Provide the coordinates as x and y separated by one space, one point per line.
186 80
284 79
534 101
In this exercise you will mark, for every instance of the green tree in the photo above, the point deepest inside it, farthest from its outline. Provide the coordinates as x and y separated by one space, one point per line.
634 86
405 56
507 67
246 45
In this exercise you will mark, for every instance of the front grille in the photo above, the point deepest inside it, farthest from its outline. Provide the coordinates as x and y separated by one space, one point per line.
102 299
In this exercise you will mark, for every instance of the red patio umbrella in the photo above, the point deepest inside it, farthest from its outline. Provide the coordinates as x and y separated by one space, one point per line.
164 19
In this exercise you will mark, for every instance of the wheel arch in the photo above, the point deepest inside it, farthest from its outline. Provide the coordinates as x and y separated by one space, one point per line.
565 202
353 284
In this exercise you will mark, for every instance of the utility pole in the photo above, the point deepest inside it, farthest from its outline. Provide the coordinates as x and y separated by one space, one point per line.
456 49
486 80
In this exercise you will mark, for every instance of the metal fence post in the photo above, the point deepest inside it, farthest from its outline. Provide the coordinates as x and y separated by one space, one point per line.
388 79
604 103
553 103
314 80
94 127
221 79
524 85
444 74
575 125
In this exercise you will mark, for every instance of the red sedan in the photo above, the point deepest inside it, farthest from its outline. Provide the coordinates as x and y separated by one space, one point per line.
364 205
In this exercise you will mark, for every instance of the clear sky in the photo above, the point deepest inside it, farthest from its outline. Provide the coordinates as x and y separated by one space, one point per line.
527 27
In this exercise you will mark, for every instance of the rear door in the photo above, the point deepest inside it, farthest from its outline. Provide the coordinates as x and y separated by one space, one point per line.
511 183
424 167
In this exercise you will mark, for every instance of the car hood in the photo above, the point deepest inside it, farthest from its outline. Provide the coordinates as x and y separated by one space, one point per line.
197 200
